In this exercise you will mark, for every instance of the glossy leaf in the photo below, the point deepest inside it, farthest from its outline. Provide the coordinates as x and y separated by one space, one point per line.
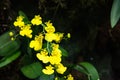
93 74
115 13
33 70
81 69
7 46
8 59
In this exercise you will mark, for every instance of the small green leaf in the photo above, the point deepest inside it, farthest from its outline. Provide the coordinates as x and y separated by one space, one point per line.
7 46
115 13
26 20
8 59
64 52
33 70
92 72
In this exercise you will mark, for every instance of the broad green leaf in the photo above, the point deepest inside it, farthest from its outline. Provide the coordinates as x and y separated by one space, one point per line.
115 13
64 52
46 77
8 59
7 46
33 70
92 72
29 51
26 60
61 78
81 69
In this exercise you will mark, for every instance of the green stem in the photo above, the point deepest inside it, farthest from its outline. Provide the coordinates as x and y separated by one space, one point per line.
43 25
48 48
88 76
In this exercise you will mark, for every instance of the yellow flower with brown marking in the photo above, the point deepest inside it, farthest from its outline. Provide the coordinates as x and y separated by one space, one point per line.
37 42
49 27
19 22
60 68
43 56
37 20
49 70
70 77
26 31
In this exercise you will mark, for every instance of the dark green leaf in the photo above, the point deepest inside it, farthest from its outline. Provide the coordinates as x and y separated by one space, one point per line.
46 77
26 60
33 70
64 52
61 78
29 51
81 69
7 46
115 13
6 60
92 72
26 20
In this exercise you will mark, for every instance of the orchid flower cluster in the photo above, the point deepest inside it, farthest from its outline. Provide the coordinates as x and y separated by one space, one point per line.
51 54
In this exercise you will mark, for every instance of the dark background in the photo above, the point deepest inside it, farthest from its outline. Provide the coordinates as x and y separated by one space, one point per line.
88 21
